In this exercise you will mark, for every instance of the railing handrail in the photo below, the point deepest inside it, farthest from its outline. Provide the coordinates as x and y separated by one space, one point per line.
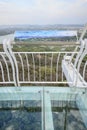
64 52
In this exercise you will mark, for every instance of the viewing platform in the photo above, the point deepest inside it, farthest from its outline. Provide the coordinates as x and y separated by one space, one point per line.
43 90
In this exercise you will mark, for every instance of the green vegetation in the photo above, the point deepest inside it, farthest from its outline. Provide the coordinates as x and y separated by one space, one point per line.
42 46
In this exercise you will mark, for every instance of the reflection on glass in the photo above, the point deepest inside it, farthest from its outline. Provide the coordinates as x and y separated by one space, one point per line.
20 115
66 116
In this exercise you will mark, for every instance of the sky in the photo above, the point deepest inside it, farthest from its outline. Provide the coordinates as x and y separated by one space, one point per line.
43 12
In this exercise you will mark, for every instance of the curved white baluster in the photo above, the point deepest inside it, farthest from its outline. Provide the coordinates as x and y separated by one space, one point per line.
14 61
57 67
45 66
83 33
28 65
2 71
84 70
80 53
39 67
33 65
6 66
22 65
74 53
5 47
51 67
80 61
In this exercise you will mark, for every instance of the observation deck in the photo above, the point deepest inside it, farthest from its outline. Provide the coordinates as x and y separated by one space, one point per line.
32 93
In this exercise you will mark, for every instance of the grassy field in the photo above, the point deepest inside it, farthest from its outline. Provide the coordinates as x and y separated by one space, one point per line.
44 46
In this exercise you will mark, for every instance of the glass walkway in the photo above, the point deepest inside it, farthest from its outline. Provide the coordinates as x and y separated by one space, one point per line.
43 108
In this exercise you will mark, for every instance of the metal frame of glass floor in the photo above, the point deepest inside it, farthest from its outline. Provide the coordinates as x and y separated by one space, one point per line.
46 95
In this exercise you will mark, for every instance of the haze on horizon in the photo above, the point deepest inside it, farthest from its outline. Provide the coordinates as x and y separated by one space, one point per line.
43 12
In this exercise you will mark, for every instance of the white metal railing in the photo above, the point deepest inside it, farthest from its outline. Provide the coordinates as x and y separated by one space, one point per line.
6 70
21 68
46 67
39 67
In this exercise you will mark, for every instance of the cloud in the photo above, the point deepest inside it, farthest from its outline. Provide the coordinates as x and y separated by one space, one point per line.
43 11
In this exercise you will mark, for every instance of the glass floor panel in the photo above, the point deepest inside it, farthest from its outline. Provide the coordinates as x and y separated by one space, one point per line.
17 115
66 116
43 108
